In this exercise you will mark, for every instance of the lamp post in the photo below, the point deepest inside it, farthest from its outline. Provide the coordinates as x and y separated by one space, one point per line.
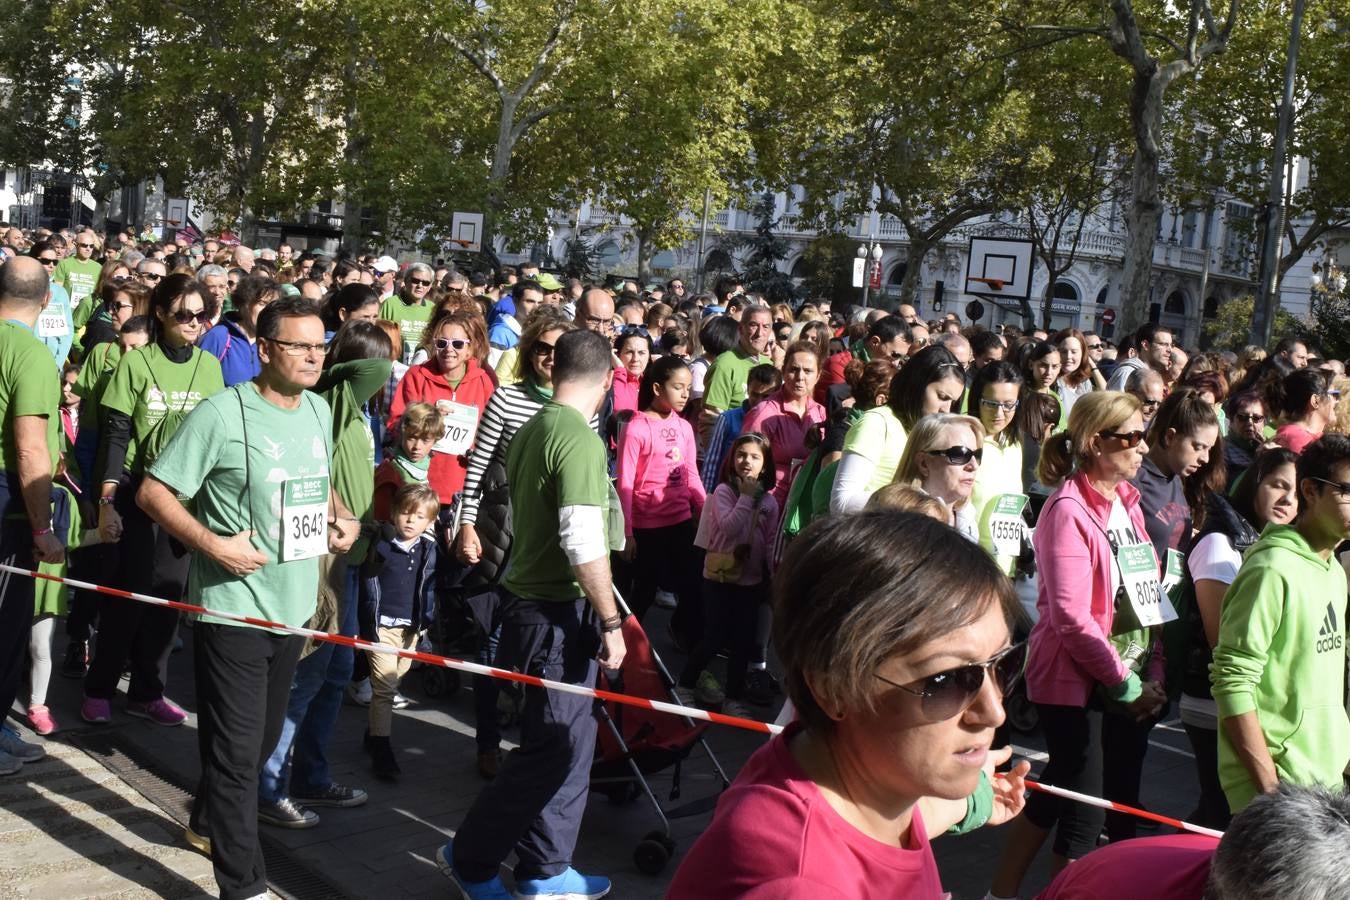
870 253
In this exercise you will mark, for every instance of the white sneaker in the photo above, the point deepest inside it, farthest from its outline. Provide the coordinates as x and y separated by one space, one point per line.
9 763
11 743
359 692
666 600
400 701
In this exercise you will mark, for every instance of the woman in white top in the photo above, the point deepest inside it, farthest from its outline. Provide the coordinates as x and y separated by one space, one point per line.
1078 375
942 457
1266 493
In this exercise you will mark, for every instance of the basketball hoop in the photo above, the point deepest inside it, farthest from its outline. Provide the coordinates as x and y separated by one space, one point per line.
995 284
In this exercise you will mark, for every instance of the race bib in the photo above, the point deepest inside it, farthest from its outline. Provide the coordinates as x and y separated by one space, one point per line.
461 424
1172 576
304 518
1139 579
1006 525
52 324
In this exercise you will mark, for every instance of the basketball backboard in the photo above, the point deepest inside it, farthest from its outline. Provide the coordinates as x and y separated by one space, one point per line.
466 231
999 268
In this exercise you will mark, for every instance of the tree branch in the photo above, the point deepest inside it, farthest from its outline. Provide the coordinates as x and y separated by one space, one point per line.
550 45
531 119
474 59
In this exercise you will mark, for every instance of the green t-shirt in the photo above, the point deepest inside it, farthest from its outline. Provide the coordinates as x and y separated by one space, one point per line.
1000 473
93 379
346 387
29 386
78 278
726 382
157 393
411 319
205 461
555 460
879 438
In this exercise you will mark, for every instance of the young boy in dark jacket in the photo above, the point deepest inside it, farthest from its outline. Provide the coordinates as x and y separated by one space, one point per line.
398 603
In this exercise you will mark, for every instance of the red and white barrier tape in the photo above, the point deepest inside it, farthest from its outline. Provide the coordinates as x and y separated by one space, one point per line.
506 675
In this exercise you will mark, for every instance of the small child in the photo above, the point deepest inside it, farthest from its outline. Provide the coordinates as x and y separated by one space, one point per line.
737 530
51 599
421 426
398 604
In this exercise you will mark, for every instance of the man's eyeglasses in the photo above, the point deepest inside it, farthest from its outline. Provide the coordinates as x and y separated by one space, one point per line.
1094 346
1007 406
1149 404
300 348
151 276
951 692
543 348
1254 418
85 246
1131 438
958 456
187 316
1342 489
420 282
596 323
447 343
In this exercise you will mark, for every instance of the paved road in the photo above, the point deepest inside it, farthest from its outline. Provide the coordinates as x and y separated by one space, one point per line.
385 848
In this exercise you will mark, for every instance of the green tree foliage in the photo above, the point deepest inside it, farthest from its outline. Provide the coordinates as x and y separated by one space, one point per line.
1228 330
763 251
828 261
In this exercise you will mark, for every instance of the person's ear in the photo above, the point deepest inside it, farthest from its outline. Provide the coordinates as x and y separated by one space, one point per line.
813 685
1307 490
1168 437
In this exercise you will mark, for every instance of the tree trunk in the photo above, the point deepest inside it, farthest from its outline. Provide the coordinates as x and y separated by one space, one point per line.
1145 211
910 284
1048 301
501 166
644 256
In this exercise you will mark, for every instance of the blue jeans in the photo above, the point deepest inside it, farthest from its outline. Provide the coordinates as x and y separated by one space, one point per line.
300 759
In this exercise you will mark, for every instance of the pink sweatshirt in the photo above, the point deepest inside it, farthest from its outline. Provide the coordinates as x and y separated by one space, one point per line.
626 386
726 524
786 432
658 481
1068 652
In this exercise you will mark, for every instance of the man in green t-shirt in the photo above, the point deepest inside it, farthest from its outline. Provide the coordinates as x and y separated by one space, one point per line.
255 459
409 309
731 370
558 610
79 273
30 393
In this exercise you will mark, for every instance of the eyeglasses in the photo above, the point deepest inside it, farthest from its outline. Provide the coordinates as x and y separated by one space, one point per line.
1250 417
420 282
1342 489
1334 394
959 456
596 323
47 260
1131 438
1149 404
1007 406
446 343
1094 346
151 276
299 348
951 692
118 307
85 246
187 316
543 348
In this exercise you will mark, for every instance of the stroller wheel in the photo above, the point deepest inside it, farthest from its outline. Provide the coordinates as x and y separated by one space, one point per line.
622 792
651 856
661 838
1022 714
439 682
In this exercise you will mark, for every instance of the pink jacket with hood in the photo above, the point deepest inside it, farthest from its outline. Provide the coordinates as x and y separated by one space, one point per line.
1068 651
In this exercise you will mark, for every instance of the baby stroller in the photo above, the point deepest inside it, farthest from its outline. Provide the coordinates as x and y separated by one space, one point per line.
636 742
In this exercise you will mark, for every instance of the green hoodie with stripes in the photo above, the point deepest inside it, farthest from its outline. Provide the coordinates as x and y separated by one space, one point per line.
1281 654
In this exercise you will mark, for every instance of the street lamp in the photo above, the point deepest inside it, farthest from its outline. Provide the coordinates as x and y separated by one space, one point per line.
871 249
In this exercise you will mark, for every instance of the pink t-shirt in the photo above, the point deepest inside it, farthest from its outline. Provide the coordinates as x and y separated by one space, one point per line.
1294 437
1171 867
658 480
775 837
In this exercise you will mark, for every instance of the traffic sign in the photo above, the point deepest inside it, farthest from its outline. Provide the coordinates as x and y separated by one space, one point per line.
1109 316
974 310
859 271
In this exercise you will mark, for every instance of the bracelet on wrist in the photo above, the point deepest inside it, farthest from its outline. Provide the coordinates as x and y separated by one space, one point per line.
106 501
40 532
611 624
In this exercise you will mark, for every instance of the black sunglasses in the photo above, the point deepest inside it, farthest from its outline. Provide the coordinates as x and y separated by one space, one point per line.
1250 417
419 282
1131 438
959 456
186 317
543 348
951 692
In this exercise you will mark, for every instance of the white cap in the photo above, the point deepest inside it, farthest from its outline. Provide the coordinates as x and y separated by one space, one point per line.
386 264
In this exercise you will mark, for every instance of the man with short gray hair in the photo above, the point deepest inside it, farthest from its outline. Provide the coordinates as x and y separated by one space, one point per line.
151 272
30 395
409 309
213 278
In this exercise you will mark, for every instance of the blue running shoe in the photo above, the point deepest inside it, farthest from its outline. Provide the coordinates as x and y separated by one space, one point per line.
492 889
570 885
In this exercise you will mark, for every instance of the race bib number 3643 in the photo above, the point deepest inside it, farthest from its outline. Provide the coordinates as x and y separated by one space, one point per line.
304 518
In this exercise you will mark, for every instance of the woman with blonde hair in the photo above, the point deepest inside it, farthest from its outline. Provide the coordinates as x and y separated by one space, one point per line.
942 458
1092 665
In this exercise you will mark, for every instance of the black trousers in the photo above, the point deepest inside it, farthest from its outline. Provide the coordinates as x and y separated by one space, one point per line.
1213 809
730 619
666 558
535 804
16 607
1124 745
96 564
243 682
149 561
1073 738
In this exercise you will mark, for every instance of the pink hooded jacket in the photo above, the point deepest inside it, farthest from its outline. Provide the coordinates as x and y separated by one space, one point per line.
1068 652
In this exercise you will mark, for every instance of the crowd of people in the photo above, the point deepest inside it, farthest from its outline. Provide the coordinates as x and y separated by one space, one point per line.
887 525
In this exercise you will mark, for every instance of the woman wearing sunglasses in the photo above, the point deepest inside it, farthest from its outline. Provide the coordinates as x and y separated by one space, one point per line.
1090 663
894 635
454 381
942 458
149 395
